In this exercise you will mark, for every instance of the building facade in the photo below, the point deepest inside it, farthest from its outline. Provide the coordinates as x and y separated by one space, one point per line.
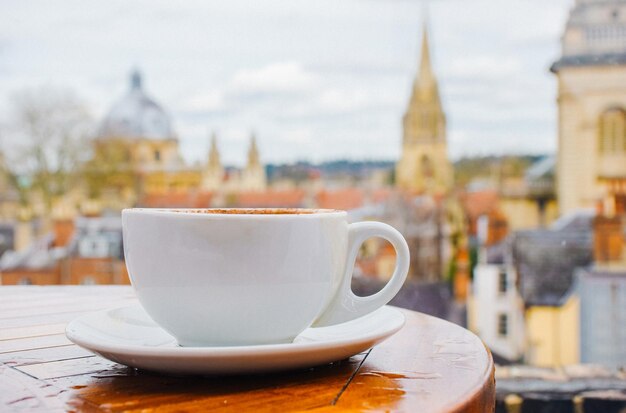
591 78
603 315
500 309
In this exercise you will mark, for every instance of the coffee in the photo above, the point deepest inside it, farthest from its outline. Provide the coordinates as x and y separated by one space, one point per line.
224 277
252 211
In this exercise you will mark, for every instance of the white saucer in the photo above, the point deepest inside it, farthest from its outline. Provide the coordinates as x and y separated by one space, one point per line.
129 336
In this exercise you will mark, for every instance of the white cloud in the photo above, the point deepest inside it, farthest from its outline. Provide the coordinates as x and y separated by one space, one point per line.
297 135
338 100
274 78
316 80
209 101
483 67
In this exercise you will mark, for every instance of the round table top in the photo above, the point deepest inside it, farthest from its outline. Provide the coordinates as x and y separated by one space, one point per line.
430 365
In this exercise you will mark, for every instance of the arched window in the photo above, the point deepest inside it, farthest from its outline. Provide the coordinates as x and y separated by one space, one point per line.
612 128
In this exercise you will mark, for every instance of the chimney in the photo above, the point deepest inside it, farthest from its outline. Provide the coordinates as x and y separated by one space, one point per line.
23 235
608 239
24 232
63 232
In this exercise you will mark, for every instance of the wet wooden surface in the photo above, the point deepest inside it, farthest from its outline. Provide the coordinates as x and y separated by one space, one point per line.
429 366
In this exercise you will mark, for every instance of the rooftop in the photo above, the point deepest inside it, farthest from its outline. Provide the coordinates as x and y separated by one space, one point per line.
546 261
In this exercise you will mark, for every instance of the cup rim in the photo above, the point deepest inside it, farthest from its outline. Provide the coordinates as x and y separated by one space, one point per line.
300 213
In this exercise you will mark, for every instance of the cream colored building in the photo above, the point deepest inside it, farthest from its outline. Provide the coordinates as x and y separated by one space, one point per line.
553 334
592 106
424 166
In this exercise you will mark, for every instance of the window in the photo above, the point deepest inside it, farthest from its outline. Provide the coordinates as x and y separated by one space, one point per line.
612 131
93 246
157 155
503 325
502 281
427 169
88 280
25 281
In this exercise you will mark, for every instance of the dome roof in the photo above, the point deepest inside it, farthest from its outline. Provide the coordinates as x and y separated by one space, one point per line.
136 116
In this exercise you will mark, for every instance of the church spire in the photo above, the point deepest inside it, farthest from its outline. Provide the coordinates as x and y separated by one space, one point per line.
425 87
214 154
253 152
426 75
253 176
425 100
424 166
213 175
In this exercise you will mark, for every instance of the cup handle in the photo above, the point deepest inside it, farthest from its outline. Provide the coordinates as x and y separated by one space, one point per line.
346 306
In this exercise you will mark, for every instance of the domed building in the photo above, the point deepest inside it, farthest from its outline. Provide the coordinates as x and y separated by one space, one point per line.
136 115
144 126
137 152
137 161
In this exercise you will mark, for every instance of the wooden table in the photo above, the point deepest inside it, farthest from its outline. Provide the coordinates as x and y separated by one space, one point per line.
429 366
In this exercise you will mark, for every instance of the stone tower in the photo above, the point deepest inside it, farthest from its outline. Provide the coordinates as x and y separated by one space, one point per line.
213 174
253 176
424 166
591 78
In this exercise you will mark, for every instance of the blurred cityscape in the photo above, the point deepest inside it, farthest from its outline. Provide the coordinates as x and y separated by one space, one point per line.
528 251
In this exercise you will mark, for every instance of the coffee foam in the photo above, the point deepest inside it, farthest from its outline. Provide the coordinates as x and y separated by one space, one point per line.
253 211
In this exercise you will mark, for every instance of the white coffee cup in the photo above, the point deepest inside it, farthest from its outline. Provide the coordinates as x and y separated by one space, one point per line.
224 277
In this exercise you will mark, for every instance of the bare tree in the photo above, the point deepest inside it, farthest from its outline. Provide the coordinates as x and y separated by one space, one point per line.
48 135
111 168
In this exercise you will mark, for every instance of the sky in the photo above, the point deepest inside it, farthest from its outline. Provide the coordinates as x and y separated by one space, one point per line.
315 80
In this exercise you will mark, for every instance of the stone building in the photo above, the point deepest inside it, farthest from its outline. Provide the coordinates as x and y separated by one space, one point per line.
591 77
429 217
146 128
424 166
136 152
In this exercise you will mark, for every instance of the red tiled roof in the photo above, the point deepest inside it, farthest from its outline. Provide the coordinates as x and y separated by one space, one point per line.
271 199
380 195
348 198
386 250
367 267
479 203
315 174
177 200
